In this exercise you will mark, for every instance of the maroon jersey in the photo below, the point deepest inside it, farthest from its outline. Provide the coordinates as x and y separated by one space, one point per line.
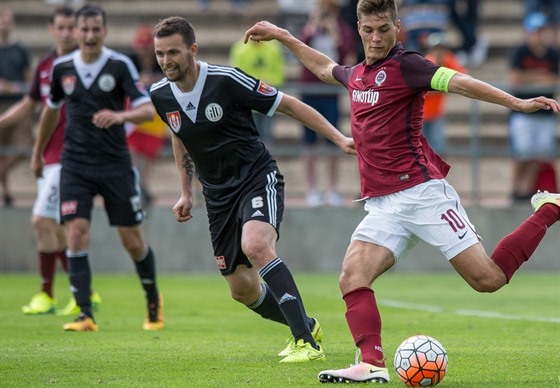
386 106
39 92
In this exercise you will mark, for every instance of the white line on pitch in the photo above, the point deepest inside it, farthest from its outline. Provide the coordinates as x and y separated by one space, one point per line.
472 313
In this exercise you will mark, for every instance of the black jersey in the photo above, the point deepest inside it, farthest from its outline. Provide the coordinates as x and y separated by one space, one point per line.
214 121
86 89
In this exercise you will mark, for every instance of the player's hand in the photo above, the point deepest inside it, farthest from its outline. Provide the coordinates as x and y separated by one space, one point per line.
36 165
106 118
262 31
539 103
347 145
182 209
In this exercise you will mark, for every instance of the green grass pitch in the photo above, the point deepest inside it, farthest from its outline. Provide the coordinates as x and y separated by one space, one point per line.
507 339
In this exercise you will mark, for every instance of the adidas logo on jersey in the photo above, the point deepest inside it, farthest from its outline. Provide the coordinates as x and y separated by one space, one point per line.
189 107
257 214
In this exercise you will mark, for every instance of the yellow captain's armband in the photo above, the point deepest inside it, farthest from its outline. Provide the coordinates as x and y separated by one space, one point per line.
441 79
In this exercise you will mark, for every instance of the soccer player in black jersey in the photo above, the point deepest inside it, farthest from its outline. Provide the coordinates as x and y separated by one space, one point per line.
209 109
93 82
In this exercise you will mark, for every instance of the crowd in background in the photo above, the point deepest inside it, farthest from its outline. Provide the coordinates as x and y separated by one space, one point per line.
329 26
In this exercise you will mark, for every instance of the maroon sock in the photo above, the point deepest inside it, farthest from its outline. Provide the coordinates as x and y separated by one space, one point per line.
364 322
46 268
63 260
516 248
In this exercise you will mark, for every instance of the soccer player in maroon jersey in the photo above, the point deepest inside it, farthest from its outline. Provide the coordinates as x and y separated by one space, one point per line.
49 235
403 181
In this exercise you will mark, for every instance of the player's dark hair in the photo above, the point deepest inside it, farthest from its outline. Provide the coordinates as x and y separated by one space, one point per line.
63 10
90 11
175 25
377 7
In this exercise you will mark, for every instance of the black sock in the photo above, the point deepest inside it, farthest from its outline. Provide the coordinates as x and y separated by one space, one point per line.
267 307
146 269
79 273
282 285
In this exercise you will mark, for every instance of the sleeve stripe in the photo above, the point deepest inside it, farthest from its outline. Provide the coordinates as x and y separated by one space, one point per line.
234 74
159 84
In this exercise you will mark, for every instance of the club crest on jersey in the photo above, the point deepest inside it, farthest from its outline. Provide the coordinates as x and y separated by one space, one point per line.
69 207
221 262
265 89
68 84
106 82
214 112
174 120
380 78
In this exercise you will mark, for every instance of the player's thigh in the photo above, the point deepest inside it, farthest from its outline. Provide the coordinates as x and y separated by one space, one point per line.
47 202
363 263
121 194
225 235
382 227
433 212
478 269
76 195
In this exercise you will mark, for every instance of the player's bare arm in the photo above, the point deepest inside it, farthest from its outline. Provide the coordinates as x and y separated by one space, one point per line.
185 166
47 126
106 118
312 119
17 112
468 86
317 62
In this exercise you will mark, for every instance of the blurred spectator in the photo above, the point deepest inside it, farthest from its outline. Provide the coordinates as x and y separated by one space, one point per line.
534 72
465 16
293 16
146 140
546 7
15 77
434 126
348 13
328 33
264 61
420 18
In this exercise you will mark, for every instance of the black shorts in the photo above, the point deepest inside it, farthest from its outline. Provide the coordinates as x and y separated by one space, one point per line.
263 201
120 192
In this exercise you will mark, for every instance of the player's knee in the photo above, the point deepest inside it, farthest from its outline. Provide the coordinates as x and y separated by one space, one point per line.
245 296
488 284
38 224
347 281
255 249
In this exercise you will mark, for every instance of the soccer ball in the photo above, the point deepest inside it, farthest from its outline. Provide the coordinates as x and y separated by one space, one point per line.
420 361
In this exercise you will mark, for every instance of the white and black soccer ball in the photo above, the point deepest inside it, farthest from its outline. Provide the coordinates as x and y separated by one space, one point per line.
421 361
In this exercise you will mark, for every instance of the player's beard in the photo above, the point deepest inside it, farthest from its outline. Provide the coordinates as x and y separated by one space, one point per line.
177 74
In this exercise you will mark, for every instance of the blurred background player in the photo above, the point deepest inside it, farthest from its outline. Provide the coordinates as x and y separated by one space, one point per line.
327 32
49 234
146 139
534 72
93 83
15 77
